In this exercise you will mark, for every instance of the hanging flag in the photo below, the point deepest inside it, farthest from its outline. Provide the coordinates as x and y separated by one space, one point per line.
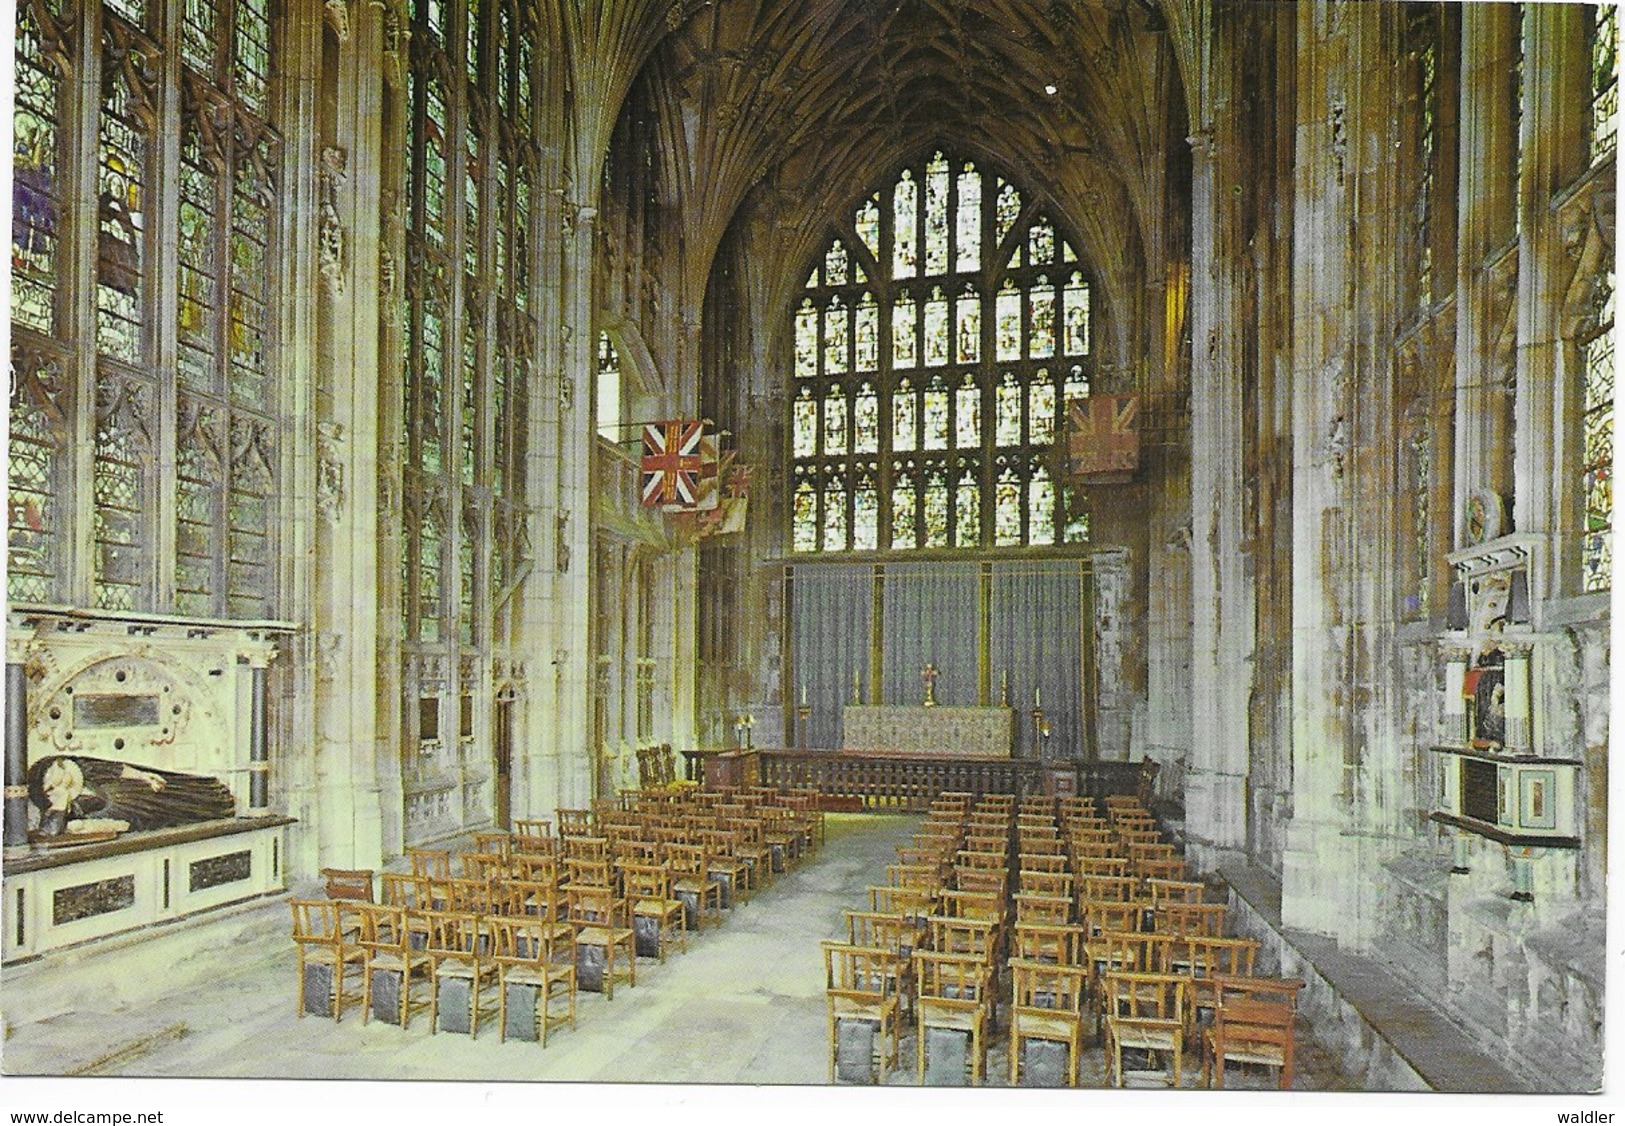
726 517
1103 438
679 466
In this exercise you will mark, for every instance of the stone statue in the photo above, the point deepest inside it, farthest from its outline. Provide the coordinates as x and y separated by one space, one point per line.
67 789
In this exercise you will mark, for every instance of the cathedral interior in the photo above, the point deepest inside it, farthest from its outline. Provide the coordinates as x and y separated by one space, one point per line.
432 415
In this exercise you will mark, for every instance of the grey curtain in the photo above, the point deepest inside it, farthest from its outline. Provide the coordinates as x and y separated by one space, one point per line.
1037 640
930 616
829 643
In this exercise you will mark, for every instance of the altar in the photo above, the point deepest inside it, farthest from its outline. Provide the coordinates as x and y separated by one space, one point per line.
945 731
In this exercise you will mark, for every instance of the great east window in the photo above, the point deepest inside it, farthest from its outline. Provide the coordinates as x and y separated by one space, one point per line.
937 342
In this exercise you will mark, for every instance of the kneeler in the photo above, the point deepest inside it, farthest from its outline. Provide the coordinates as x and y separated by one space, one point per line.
855 1050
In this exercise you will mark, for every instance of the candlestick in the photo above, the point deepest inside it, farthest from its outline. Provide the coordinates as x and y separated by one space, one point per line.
804 692
1004 688
1037 700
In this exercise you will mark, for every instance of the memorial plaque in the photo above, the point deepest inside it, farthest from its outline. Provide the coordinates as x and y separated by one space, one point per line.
84 901
108 710
217 870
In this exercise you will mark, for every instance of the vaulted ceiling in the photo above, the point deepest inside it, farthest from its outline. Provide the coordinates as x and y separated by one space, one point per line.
786 111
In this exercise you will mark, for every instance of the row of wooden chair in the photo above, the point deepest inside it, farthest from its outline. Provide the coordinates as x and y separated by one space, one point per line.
1147 957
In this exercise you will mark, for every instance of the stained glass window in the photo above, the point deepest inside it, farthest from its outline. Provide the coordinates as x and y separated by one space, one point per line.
964 366
968 220
902 332
904 430
967 508
38 444
936 329
36 194
1604 81
867 335
935 415
199 479
805 424
903 503
807 340
1007 405
835 420
1076 301
867 224
936 216
122 267
837 320
122 486
905 212
968 328
866 420
968 414
866 511
1597 480
1041 322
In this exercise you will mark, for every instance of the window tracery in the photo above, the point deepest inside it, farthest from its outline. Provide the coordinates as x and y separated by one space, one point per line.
972 362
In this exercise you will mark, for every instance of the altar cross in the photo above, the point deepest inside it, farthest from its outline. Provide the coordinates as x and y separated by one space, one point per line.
928 676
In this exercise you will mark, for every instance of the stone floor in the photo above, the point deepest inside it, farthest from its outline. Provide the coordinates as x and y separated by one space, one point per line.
744 1004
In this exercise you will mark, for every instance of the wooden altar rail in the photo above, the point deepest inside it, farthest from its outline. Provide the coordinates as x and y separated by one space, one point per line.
910 782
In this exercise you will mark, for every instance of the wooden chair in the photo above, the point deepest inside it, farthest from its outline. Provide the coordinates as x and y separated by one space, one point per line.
534 955
1144 1012
542 868
1186 920
1058 944
1107 953
1161 891
953 994
1166 868
605 941
349 883
972 905
724 867
326 932
692 883
1254 1023
575 823
912 903
649 893
860 985
431 862
1098 915
483 865
1119 888
460 959
751 848
1106 865
533 835
1046 1004
1043 863
992 881
388 941
1043 908
497 842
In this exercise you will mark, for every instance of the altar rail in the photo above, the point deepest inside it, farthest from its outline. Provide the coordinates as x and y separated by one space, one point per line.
909 782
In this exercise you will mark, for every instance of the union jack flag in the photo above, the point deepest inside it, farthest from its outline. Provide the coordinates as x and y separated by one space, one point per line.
1103 439
679 466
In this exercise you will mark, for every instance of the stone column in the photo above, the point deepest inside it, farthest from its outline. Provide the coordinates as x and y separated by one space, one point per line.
1316 867
259 746
571 737
353 484
16 763
1221 588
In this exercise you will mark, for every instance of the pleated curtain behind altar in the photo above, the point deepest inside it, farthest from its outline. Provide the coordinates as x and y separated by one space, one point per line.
930 616
1036 638
833 604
